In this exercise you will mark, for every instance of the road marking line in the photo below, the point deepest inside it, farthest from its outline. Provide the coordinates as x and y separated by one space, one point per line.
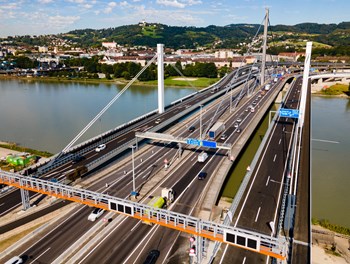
244 260
2 204
257 215
279 142
268 179
274 159
132 229
40 255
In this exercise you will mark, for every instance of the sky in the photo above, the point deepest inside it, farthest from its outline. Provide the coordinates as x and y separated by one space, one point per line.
41 17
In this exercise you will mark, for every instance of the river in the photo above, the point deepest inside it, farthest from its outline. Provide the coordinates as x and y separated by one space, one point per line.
47 116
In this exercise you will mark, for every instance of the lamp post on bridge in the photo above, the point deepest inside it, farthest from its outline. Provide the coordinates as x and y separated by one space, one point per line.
200 122
134 192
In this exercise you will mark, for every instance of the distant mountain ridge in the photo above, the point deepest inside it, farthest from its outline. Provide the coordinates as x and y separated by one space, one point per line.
191 37
329 39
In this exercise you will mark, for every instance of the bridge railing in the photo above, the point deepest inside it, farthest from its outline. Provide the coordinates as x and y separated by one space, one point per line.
234 236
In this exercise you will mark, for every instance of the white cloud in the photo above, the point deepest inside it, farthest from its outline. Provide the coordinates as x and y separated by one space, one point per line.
62 21
77 1
87 6
178 3
45 1
172 3
110 7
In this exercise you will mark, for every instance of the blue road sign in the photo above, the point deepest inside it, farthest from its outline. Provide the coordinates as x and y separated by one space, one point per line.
290 113
193 141
208 144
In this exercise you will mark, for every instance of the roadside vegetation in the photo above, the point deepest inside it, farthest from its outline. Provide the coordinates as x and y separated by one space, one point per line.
336 89
14 146
332 227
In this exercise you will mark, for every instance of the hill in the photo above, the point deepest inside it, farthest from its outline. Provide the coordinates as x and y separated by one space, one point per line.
331 39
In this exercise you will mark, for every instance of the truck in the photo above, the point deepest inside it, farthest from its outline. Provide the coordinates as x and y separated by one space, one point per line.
202 156
216 129
161 201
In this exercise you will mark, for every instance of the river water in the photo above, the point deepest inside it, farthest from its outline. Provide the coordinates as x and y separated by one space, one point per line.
47 116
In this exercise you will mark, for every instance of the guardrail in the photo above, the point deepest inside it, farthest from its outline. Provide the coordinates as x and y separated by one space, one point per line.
234 236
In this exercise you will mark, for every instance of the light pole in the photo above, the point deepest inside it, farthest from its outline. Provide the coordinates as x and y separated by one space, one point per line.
200 122
133 193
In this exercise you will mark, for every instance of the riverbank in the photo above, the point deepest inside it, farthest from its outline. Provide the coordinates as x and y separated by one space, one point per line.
170 81
14 148
329 247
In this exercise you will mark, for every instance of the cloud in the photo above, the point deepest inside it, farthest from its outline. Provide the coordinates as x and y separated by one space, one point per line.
110 7
45 1
60 22
77 1
178 4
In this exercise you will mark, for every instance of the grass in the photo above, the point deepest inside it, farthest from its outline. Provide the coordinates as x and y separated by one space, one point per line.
332 227
336 89
14 146
199 82
11 240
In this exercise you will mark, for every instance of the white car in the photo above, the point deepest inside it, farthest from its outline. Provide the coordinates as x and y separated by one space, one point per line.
100 147
14 260
96 213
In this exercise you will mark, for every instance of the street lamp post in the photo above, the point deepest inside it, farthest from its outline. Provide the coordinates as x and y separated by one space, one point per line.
133 193
200 122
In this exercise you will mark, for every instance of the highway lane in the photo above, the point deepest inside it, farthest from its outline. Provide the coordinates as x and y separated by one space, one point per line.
261 201
51 245
41 251
191 191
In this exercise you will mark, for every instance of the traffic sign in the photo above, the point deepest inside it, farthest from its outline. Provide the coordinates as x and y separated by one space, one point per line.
208 144
290 113
193 141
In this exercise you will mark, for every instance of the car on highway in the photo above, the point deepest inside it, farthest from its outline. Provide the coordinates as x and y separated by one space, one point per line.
158 120
223 137
100 147
14 260
236 125
202 175
238 130
239 120
192 128
96 213
77 159
152 257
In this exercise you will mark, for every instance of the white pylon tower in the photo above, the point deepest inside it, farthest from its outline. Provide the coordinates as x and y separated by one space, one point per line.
160 60
305 83
263 59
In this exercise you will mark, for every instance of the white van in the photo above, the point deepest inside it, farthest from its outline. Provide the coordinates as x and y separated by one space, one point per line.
202 157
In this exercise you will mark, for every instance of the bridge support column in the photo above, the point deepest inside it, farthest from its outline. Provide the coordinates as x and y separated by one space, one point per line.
25 199
160 52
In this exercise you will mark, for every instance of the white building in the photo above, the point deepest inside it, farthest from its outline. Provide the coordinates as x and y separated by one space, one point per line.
109 45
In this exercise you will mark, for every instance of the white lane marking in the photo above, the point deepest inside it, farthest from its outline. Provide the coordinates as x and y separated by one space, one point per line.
223 255
2 204
268 179
40 255
274 159
284 128
132 229
279 142
244 260
257 214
